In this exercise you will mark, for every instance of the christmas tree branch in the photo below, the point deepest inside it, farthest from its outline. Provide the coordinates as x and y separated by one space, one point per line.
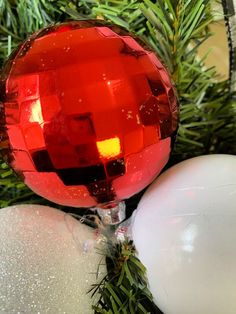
174 29
124 289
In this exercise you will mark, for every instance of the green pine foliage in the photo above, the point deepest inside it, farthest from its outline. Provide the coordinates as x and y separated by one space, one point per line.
174 29
124 289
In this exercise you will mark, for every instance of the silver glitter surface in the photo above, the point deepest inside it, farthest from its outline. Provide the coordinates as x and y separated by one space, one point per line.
48 262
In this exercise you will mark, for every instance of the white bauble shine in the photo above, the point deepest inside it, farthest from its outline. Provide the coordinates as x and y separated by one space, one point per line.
47 261
185 234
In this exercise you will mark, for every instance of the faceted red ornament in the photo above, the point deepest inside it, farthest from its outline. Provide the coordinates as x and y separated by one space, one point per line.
89 113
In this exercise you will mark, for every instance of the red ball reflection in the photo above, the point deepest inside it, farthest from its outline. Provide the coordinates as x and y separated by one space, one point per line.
89 113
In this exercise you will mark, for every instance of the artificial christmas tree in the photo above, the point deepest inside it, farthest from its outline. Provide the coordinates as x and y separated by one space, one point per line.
175 29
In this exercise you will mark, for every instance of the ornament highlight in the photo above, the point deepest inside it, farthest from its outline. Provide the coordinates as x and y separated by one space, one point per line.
48 261
184 232
90 113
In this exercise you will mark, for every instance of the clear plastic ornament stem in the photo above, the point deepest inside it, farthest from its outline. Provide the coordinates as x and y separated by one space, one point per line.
112 214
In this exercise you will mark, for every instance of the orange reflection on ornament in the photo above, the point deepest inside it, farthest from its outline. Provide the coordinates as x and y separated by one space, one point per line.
36 112
109 148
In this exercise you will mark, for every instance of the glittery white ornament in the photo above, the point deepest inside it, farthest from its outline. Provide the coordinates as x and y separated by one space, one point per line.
185 233
48 261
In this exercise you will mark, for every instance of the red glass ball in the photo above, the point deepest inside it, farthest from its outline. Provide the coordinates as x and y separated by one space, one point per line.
89 113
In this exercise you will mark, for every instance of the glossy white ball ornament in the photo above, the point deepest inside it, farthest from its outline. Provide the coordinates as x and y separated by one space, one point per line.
185 234
48 261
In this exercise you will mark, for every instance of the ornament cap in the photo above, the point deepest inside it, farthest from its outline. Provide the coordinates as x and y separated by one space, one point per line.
112 213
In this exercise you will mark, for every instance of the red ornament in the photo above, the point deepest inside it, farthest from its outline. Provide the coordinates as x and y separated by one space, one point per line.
89 113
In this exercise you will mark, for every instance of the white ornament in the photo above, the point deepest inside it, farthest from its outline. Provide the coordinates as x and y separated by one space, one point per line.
48 261
185 234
